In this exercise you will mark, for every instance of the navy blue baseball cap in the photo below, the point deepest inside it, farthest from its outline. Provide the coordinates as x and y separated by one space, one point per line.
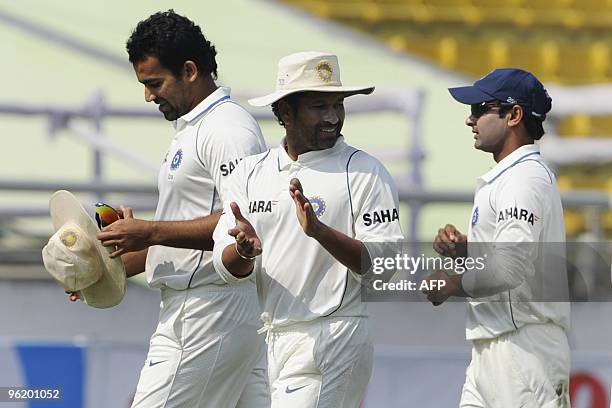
507 85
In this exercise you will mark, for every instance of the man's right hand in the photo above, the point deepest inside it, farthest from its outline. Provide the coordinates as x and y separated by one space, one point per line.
247 242
239 258
450 242
73 296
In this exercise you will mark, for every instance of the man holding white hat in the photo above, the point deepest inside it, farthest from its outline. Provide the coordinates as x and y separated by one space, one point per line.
77 260
307 208
205 352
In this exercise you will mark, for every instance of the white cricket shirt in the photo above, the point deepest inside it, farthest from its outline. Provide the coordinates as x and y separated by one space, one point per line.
209 142
516 202
297 279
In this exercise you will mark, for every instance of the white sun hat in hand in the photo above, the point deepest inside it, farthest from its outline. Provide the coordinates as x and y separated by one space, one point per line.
77 260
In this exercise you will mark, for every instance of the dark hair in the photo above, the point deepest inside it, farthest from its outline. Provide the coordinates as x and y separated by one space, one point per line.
172 39
292 101
533 125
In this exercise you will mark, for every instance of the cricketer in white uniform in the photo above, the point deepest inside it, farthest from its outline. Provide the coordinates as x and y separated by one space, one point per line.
517 319
319 346
206 341
206 351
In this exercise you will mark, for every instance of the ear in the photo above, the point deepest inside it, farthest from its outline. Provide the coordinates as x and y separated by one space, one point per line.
190 71
286 113
516 115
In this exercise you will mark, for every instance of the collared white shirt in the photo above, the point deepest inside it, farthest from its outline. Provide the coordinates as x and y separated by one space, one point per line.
517 219
297 279
209 142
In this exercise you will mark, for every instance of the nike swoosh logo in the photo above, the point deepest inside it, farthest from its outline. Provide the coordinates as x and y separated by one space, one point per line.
290 390
154 363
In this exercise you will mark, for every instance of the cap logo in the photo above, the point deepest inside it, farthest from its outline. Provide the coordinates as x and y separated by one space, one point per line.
511 100
69 238
324 71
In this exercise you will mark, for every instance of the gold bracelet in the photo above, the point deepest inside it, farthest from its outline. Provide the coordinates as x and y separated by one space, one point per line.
248 258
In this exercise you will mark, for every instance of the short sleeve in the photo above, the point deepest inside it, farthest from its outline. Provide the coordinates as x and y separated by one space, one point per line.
374 200
374 203
520 207
221 146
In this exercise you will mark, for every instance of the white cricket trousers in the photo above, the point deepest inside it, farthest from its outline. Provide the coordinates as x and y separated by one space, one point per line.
526 368
206 352
325 363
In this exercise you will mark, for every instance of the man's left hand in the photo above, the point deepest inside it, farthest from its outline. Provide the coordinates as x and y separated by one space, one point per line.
305 213
127 235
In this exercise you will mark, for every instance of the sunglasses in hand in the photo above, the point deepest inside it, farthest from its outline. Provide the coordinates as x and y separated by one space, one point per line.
106 215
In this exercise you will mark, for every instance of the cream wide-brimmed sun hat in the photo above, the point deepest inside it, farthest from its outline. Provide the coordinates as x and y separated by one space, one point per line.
77 260
308 71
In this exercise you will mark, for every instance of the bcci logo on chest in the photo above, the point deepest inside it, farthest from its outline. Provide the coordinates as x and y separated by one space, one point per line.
475 217
318 205
177 159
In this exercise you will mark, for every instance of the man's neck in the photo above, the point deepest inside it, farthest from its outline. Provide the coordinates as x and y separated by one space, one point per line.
292 151
293 147
203 90
508 149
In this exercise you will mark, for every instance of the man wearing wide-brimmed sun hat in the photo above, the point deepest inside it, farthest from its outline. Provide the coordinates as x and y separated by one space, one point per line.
300 216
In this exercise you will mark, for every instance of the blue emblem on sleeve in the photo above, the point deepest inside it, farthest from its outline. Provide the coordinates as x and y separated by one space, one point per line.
318 205
177 159
475 216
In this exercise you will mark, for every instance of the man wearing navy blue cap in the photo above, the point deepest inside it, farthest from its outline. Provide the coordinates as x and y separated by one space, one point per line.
520 354
506 90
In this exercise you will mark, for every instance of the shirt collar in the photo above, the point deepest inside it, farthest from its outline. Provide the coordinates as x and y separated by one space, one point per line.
284 161
219 95
509 161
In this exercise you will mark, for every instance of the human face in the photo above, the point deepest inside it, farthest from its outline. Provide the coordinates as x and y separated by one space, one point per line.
317 122
490 131
163 88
